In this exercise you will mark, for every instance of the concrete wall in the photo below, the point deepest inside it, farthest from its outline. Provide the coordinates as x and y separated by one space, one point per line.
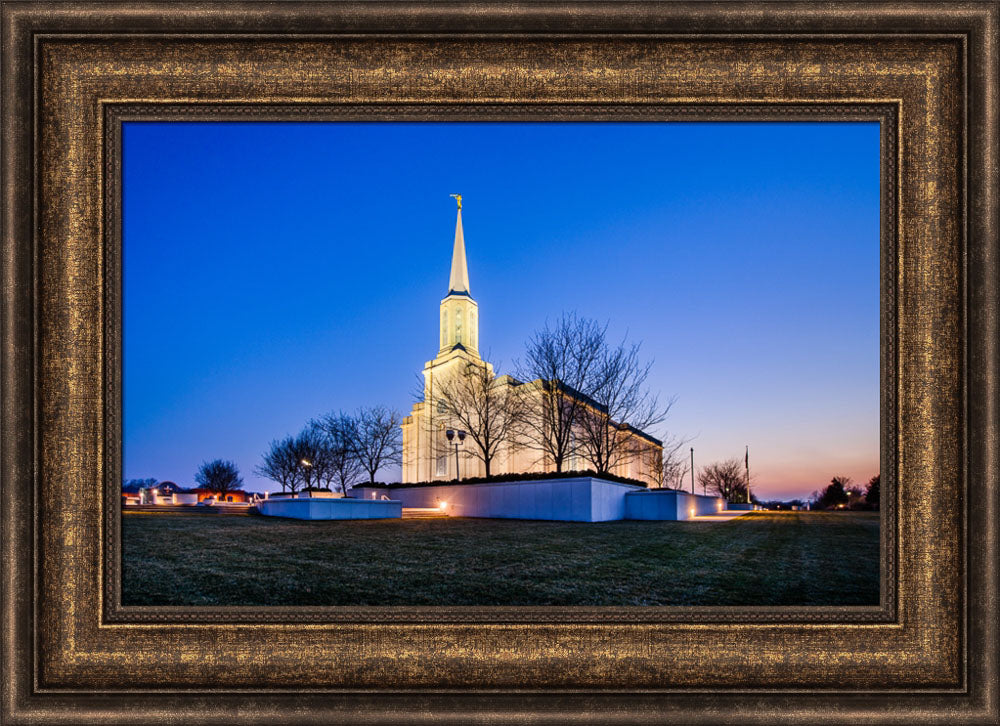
184 498
316 508
669 504
363 492
582 499
744 506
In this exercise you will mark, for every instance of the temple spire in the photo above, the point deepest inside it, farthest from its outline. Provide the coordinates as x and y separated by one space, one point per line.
459 281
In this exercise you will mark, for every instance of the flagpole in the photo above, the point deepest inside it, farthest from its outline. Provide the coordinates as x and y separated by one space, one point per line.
748 473
692 470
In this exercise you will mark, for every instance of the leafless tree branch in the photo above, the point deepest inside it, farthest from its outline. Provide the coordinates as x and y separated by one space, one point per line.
488 407
559 362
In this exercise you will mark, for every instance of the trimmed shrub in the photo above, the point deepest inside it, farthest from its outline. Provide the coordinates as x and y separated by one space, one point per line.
501 478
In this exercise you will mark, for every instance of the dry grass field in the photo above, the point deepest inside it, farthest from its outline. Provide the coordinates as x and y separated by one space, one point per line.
763 558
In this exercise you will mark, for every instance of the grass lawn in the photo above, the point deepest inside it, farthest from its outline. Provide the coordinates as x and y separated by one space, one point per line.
786 558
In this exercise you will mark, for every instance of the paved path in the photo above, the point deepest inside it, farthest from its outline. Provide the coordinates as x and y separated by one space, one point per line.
723 516
423 513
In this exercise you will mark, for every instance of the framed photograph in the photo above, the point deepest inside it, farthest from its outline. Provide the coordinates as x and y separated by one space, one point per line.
416 362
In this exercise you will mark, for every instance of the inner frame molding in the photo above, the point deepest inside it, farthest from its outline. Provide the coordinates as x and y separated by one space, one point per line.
79 78
885 114
71 650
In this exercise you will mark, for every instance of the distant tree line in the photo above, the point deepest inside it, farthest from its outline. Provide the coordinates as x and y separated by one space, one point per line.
842 493
728 479
218 476
134 485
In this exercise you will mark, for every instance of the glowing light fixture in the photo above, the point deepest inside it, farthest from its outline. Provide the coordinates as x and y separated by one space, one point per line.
450 434
306 462
443 505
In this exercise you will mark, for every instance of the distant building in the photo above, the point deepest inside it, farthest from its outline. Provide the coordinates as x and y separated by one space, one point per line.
167 488
239 496
427 454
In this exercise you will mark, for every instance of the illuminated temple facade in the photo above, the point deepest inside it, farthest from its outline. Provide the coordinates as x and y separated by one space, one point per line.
427 453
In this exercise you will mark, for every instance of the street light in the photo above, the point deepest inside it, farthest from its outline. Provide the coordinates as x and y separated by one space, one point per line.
692 470
308 465
461 439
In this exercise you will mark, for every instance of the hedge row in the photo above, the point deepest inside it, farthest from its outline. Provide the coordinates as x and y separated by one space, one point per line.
501 478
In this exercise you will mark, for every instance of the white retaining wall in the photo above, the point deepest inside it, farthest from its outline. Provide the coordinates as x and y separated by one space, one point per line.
670 504
324 508
580 499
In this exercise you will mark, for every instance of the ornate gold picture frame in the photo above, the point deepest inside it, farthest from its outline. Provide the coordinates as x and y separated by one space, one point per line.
73 72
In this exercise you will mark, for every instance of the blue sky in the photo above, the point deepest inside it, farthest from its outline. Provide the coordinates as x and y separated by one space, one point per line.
275 272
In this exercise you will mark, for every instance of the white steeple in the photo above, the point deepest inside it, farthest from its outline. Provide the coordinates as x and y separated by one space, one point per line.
459 312
459 269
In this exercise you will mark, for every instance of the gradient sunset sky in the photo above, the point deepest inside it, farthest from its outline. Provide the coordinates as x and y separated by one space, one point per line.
276 272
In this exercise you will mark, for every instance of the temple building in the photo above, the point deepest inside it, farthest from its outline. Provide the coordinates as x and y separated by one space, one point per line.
428 455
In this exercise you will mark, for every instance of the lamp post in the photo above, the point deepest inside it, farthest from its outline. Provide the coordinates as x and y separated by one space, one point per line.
307 465
461 439
692 470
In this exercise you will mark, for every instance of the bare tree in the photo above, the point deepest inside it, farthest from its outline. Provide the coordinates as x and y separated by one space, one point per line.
620 406
872 493
378 439
725 478
281 464
489 408
336 434
311 454
654 464
320 462
844 482
219 476
835 495
559 364
676 465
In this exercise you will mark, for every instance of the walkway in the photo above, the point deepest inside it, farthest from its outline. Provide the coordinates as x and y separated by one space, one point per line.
423 513
724 516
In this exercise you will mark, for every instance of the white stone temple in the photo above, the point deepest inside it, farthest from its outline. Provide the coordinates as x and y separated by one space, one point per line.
427 453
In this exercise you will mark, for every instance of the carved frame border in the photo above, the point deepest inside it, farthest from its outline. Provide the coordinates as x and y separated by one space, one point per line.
931 658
